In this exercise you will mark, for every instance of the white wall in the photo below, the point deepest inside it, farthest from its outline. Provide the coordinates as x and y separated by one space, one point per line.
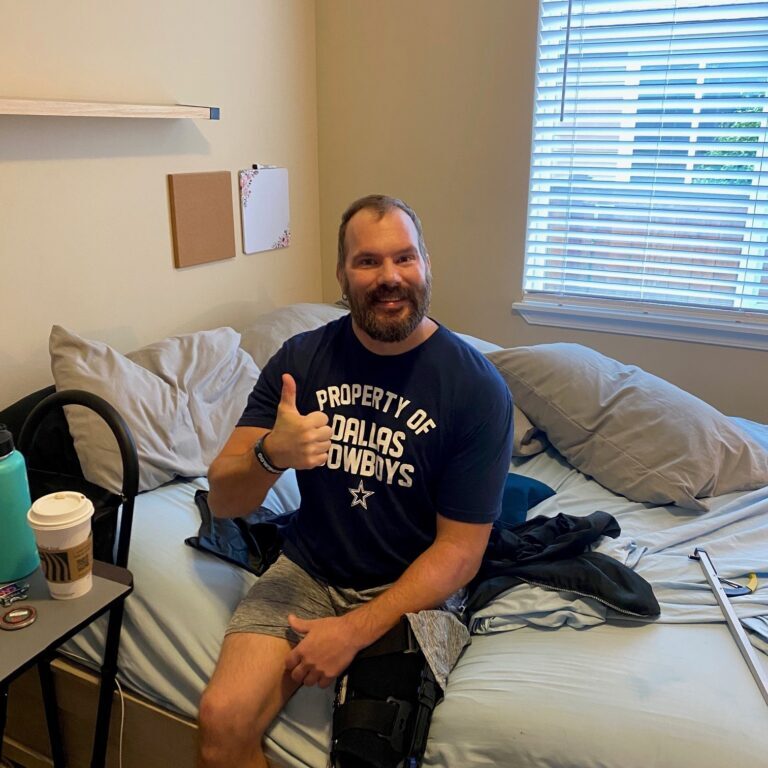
431 100
85 237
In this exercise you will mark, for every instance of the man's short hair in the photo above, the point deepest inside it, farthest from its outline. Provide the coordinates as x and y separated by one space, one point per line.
380 205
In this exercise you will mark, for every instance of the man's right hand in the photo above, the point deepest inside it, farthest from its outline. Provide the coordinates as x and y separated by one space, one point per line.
297 441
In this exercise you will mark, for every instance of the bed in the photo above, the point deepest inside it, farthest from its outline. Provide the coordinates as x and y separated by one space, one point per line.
550 678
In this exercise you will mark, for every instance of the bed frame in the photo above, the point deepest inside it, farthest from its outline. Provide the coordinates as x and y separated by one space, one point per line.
151 737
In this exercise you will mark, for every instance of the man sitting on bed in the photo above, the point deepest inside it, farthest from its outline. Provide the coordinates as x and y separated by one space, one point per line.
401 435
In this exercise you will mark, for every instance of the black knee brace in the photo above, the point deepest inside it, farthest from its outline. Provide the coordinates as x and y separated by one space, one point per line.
384 702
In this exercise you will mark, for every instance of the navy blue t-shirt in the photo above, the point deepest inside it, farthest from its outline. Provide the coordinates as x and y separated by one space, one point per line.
424 432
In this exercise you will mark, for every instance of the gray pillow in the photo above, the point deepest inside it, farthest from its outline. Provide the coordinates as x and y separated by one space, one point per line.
180 398
267 333
527 440
634 433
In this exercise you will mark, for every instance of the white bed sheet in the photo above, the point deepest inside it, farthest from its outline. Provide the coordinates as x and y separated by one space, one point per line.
658 541
614 695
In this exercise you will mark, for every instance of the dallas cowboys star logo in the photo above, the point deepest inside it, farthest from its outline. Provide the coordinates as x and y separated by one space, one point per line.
359 496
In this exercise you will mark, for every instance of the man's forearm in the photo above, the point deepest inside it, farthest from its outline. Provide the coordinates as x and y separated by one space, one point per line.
238 485
432 578
328 645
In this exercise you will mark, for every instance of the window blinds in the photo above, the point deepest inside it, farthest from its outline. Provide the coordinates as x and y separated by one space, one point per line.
649 168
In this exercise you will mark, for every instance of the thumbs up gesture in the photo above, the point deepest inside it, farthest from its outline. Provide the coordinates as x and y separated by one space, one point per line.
297 441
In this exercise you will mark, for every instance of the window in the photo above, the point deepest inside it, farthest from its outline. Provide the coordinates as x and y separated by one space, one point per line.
648 203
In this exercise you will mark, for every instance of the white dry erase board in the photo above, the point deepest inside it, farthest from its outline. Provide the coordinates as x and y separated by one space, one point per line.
264 208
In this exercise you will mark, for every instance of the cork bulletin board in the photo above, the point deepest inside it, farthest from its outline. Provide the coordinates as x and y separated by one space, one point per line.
202 220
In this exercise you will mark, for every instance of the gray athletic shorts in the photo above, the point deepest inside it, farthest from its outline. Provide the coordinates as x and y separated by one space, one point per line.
286 588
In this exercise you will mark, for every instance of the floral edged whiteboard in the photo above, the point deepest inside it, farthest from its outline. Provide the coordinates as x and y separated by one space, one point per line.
264 208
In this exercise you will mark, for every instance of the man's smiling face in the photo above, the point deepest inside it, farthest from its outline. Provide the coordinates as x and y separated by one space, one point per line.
385 277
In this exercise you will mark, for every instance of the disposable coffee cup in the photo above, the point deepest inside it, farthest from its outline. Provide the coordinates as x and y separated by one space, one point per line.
62 525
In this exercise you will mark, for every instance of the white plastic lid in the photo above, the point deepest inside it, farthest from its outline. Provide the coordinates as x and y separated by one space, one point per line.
62 509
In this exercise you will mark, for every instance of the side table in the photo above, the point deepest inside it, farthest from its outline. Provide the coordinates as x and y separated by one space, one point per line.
57 621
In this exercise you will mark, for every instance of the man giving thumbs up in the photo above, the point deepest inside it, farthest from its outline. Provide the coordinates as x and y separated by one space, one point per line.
400 436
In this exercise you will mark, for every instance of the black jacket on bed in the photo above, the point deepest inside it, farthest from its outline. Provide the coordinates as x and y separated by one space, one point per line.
552 552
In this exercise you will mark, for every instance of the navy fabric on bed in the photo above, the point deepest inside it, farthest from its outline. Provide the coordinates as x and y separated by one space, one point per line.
521 494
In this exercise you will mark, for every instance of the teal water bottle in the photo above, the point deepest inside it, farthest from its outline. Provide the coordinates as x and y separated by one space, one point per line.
18 551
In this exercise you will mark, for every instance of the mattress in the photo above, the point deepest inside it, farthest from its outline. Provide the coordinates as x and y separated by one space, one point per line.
560 684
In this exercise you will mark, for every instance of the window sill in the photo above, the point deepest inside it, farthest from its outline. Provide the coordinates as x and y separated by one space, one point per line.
696 326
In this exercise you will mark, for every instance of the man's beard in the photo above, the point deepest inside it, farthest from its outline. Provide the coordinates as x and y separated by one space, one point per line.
390 329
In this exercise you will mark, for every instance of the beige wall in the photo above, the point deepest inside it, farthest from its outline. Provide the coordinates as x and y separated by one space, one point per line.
427 99
431 100
85 237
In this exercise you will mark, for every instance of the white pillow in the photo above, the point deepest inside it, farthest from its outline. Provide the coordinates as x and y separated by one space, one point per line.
180 398
635 433
262 338
213 371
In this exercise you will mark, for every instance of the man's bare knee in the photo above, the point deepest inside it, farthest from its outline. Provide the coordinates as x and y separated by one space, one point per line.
220 712
248 689
227 733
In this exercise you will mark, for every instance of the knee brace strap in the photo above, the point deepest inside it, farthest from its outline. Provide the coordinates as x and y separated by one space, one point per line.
384 704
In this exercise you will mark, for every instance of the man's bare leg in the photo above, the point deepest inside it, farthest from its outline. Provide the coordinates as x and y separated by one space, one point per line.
247 690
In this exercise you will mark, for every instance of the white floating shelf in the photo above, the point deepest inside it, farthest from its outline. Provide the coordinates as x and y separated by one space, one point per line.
104 109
